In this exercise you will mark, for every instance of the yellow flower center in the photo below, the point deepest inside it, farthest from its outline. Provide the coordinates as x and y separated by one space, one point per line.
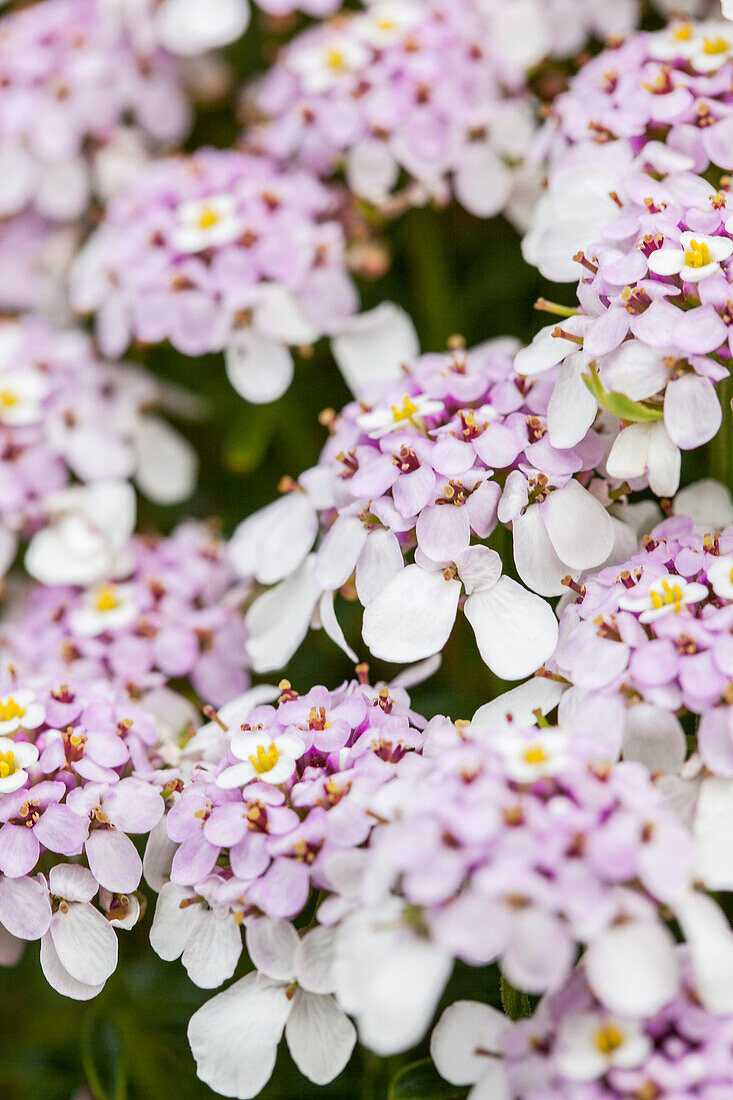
609 1038
406 412
265 760
385 24
207 218
683 33
7 764
716 45
10 710
8 399
671 596
534 754
106 598
335 60
698 254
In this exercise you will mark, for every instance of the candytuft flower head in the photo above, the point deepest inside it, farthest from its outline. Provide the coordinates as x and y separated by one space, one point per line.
195 252
411 484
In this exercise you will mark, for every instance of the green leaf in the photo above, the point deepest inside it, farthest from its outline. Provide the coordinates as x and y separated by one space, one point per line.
102 1056
618 405
515 1004
421 1081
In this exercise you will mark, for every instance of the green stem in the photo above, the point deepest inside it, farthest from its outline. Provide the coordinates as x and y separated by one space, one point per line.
719 451
428 263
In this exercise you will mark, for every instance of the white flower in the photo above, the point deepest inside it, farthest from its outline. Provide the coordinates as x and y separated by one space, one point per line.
20 710
79 951
272 543
698 257
667 595
707 502
208 941
206 223
105 607
590 1045
387 21
21 398
413 616
15 757
87 537
411 410
270 760
322 66
543 755
234 1037
466 1046
678 40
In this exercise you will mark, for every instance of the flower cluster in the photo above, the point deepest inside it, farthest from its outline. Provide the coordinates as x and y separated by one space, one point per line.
67 416
219 250
647 641
273 791
652 337
422 89
67 792
173 613
62 62
517 845
425 467
573 1046
659 103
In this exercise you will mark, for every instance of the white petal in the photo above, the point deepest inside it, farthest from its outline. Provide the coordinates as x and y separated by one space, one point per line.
372 348
713 829
579 527
314 960
412 617
666 261
482 182
173 924
279 317
272 945
664 461
544 352
167 464
338 553
85 943
534 555
516 631
59 978
632 967
628 457
479 568
234 1037
332 627
710 942
707 502
572 408
692 413
521 703
258 369
655 738
278 621
158 857
371 169
320 1036
212 952
184 27
270 544
465 1028
636 370
380 560
72 882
